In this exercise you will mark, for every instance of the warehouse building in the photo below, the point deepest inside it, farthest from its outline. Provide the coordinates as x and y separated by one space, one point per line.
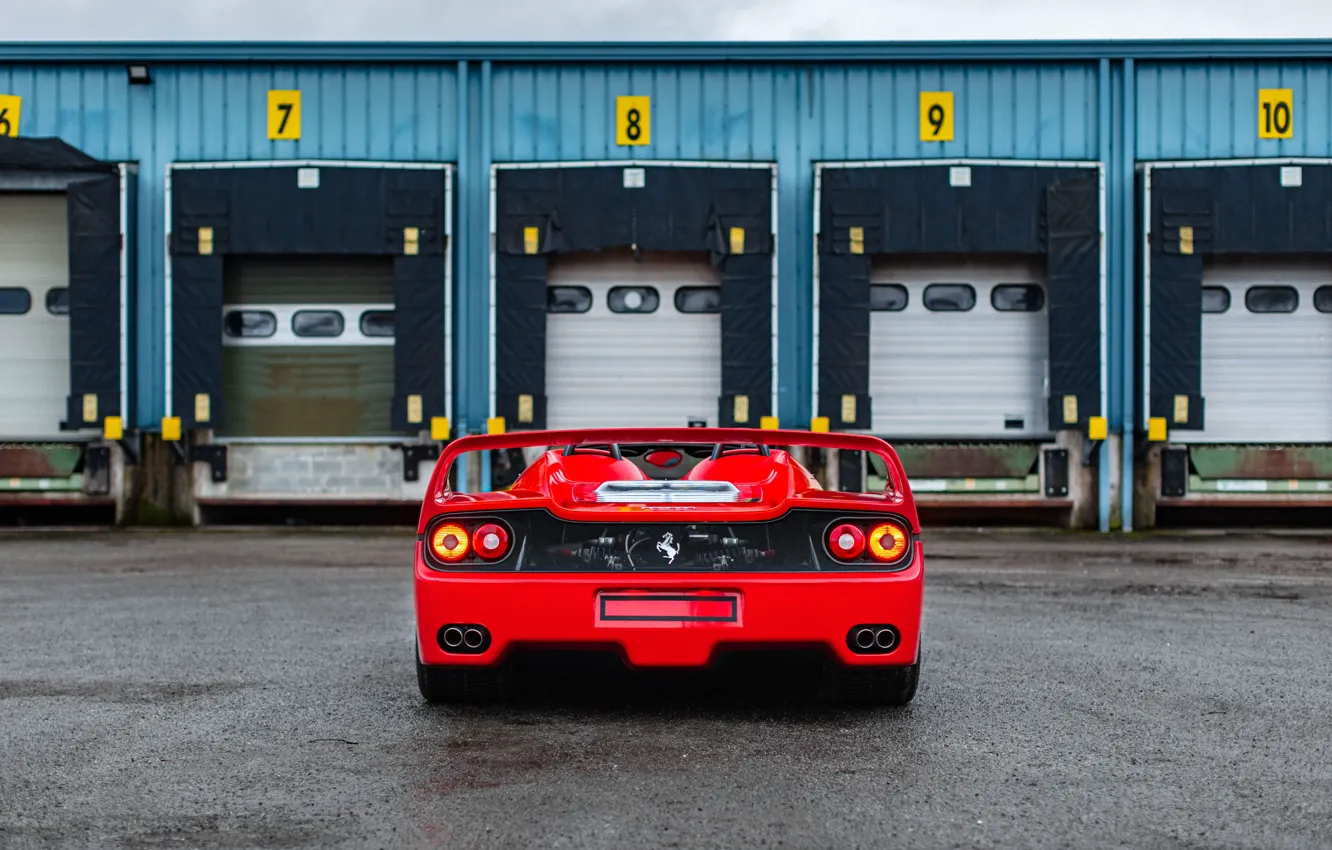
65 323
1081 283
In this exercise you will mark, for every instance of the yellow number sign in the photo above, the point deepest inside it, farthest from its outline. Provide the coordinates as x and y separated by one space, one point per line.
633 120
936 116
284 114
1276 108
10 107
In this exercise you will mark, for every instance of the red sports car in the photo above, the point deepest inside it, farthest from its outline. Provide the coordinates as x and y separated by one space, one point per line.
668 545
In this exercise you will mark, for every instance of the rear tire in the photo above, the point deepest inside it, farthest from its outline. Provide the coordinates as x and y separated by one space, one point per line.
446 685
884 686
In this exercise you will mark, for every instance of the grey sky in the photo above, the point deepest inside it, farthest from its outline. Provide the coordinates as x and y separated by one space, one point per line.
502 20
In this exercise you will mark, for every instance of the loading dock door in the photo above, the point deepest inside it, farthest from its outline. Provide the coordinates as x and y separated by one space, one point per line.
34 314
959 347
633 343
1266 351
307 346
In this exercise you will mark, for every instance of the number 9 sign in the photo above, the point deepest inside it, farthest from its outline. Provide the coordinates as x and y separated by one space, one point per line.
936 116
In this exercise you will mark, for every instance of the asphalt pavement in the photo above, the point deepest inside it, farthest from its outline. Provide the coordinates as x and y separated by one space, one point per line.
243 689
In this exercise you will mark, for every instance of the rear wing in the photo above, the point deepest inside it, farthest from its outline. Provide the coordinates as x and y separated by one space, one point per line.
896 483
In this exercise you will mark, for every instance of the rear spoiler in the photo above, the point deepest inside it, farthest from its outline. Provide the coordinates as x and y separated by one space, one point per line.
696 436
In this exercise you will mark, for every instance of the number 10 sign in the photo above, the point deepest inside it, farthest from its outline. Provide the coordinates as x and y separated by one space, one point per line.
1275 108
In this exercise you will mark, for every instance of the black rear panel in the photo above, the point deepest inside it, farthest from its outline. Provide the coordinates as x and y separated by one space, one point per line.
792 543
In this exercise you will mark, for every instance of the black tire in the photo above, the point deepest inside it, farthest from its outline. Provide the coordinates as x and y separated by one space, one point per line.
885 686
445 685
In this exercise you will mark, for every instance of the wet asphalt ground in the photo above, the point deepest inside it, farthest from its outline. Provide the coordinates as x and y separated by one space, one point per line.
232 690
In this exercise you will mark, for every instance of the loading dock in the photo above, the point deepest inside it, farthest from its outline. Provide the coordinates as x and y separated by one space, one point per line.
308 325
1237 335
633 293
65 331
960 313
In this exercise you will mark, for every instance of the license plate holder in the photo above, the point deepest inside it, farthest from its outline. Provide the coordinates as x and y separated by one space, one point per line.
668 608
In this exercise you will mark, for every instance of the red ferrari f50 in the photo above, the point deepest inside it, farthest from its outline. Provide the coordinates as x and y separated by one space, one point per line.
668 545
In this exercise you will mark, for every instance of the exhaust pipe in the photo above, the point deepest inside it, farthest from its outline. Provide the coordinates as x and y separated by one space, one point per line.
864 638
473 638
453 637
885 639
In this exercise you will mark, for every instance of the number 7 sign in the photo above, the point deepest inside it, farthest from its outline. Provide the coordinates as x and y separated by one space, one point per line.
284 114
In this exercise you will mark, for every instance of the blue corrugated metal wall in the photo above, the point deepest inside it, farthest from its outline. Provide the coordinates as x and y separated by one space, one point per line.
217 112
1209 110
794 115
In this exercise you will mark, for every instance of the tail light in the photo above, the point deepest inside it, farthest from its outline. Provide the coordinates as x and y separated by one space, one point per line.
887 542
449 542
846 542
491 541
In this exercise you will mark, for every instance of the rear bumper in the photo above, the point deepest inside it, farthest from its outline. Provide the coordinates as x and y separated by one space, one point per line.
553 610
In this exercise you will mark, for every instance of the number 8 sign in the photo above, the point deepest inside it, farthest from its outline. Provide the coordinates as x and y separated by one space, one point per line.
633 120
936 116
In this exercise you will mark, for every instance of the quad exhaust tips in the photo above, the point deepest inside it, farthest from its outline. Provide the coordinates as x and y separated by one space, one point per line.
872 639
464 638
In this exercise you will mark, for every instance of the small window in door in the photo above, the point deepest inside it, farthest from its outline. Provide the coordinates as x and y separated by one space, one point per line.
317 323
1215 299
698 299
633 299
1017 298
949 297
887 297
568 299
377 323
15 301
57 301
1271 299
249 324
1323 299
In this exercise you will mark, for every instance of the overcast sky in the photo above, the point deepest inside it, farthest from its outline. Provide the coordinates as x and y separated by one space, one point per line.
618 20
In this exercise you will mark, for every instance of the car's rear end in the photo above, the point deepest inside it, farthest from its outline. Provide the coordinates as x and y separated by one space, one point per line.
667 546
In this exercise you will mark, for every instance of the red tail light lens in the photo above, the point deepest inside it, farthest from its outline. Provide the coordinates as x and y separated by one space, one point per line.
846 542
491 541
449 542
887 542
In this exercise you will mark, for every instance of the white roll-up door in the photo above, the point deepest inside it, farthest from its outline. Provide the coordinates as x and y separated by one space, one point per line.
959 347
1266 351
632 342
34 315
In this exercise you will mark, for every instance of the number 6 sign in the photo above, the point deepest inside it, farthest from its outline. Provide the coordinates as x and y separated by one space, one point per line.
10 107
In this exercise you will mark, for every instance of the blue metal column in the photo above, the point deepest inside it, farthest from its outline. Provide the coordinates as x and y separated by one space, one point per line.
794 305
1128 127
1105 468
482 229
462 384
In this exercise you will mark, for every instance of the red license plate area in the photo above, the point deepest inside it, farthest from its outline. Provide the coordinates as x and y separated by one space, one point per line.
670 609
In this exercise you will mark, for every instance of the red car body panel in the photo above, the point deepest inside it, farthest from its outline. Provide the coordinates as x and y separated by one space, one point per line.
662 618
